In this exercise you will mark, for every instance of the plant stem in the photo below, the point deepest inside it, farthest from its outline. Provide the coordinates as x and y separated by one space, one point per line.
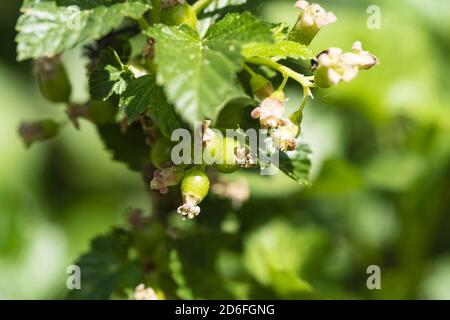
156 11
305 82
249 70
117 58
143 23
303 103
200 5
283 84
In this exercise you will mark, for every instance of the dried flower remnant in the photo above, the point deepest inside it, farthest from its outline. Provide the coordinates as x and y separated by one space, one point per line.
165 178
207 133
75 112
136 218
190 208
170 3
31 132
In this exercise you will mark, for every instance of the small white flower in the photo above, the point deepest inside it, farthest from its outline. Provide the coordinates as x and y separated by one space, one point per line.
314 15
341 66
143 293
270 111
285 136
338 65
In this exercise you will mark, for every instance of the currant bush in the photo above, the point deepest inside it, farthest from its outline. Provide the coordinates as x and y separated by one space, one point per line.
161 65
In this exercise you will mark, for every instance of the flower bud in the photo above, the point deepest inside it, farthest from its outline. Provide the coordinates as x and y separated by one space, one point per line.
261 87
364 60
53 80
178 12
31 132
310 21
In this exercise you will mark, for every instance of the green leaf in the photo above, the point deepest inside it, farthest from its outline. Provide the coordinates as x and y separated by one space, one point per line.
190 256
143 94
297 164
394 170
230 34
176 270
129 147
270 259
198 75
138 96
110 76
163 114
280 31
49 27
217 9
106 268
282 50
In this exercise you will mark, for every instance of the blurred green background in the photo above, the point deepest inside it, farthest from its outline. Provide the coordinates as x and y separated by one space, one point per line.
381 175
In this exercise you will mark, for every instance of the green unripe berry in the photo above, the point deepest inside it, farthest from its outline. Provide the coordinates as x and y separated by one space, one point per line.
195 184
53 81
160 153
194 188
178 15
103 112
221 153
228 163
226 168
